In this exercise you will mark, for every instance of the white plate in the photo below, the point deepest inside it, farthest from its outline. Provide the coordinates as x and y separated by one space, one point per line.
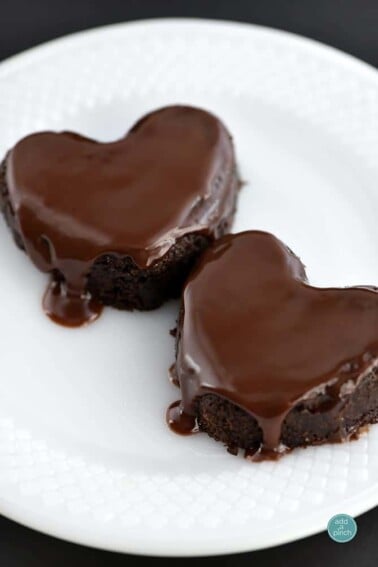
85 453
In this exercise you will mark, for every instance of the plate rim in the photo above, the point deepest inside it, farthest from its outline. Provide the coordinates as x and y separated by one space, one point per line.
64 534
27 55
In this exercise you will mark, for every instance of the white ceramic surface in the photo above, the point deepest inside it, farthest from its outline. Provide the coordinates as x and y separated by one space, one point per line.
85 453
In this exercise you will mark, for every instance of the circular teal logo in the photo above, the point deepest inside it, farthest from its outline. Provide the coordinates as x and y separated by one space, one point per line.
342 528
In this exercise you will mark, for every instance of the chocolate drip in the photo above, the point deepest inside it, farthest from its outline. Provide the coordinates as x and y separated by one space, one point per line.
172 375
254 332
180 421
69 308
76 199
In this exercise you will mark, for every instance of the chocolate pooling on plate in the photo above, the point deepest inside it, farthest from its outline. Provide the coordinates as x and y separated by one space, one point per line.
74 199
253 332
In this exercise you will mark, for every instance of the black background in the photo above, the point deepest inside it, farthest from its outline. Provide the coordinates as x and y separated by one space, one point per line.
350 25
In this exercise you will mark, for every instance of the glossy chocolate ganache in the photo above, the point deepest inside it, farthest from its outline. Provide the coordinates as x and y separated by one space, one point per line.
253 332
75 199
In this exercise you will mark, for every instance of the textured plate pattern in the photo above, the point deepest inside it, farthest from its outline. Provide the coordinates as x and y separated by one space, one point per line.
178 496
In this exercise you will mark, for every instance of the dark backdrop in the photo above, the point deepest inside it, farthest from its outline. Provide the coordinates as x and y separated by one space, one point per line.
351 25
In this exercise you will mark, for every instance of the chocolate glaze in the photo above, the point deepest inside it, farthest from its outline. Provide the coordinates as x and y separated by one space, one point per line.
253 331
75 199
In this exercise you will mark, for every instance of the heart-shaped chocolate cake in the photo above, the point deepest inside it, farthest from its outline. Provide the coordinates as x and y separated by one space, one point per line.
266 362
120 223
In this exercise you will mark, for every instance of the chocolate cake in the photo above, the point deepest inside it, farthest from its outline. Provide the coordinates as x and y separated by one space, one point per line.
120 223
266 362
